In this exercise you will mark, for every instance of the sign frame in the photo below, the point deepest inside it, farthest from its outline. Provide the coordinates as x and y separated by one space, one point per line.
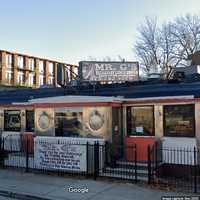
117 71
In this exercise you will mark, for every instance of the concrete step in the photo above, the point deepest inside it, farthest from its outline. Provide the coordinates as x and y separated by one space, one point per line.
132 163
125 170
121 176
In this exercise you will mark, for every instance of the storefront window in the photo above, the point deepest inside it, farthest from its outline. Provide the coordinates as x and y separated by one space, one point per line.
179 120
12 120
140 120
30 124
69 124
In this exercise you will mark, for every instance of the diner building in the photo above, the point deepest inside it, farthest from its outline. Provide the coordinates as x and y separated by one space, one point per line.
140 114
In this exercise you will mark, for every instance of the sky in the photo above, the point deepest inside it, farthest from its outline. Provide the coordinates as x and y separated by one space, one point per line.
74 30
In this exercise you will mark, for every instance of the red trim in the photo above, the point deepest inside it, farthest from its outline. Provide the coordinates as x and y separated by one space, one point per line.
16 106
110 104
153 101
83 104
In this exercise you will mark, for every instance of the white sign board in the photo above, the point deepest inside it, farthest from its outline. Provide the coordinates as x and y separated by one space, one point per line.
109 71
61 155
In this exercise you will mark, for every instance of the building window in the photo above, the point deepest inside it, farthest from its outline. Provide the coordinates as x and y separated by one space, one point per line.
69 124
41 67
21 78
12 120
51 80
20 62
179 120
30 122
31 64
9 60
51 71
9 75
31 79
41 80
140 120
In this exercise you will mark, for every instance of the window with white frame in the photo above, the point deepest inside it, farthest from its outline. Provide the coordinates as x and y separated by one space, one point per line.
31 64
51 71
9 60
41 67
20 78
31 79
51 80
9 75
41 79
20 61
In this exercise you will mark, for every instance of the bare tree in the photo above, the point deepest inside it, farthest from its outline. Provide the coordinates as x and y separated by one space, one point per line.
106 58
147 45
167 46
186 34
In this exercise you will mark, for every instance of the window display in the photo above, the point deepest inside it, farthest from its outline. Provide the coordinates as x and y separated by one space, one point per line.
12 120
140 120
68 124
179 120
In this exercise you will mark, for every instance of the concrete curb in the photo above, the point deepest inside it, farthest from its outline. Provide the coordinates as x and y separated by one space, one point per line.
16 195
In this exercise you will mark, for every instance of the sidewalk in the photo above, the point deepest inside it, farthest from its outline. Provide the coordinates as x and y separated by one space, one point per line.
39 186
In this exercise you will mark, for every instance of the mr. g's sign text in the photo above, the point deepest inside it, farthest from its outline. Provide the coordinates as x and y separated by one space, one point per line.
109 71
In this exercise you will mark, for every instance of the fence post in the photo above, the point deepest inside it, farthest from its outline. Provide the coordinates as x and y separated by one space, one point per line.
2 155
87 157
3 148
95 149
156 156
195 170
106 152
135 151
27 154
96 160
149 164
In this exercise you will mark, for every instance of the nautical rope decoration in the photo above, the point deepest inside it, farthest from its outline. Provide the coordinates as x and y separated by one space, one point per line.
96 120
44 121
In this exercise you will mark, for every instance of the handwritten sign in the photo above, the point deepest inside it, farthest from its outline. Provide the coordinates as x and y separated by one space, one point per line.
68 157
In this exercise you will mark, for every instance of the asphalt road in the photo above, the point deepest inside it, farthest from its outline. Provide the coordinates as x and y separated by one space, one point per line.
6 198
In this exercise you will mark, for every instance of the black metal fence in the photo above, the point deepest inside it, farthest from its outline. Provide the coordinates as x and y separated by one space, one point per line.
98 159
119 162
175 168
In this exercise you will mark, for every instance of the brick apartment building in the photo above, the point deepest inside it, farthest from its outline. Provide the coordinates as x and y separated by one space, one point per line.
25 70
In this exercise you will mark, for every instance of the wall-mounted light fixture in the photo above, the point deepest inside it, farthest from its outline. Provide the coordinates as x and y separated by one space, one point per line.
158 114
23 113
